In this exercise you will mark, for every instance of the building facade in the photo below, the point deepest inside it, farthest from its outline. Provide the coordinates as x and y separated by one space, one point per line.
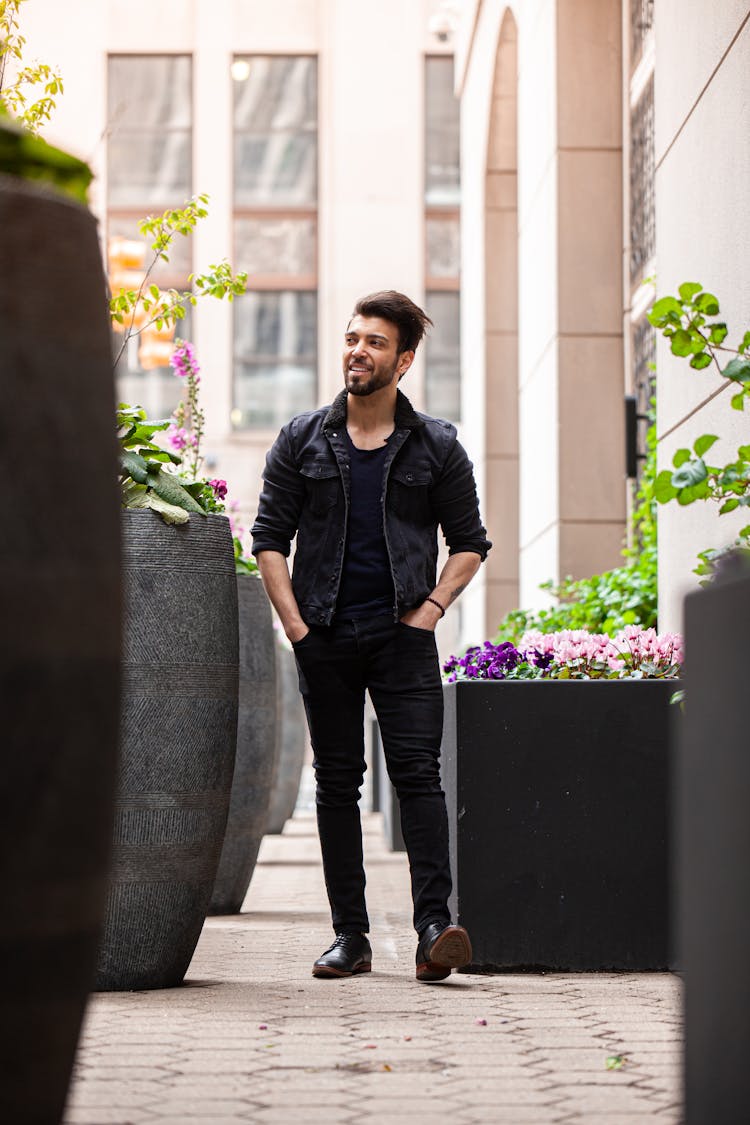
597 142
535 172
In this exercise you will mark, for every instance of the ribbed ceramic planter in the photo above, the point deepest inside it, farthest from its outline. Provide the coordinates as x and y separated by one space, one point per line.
60 652
557 796
291 734
256 739
178 735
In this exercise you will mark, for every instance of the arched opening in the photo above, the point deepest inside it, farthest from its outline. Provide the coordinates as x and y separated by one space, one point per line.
501 331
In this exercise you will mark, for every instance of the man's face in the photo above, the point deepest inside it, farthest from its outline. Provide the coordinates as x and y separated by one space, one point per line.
371 356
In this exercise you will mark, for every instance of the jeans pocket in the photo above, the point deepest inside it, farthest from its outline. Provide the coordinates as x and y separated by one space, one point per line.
302 641
416 629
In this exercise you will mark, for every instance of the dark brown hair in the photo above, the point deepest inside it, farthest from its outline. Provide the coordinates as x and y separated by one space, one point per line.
410 320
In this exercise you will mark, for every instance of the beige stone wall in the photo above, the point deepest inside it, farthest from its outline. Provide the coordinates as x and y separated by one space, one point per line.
562 346
702 100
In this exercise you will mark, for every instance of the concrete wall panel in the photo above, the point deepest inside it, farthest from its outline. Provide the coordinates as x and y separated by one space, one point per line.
592 446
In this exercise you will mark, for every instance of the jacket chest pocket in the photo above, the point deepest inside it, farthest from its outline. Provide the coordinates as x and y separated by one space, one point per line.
409 492
321 485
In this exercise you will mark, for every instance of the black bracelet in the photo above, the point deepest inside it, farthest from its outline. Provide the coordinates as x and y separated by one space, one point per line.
437 603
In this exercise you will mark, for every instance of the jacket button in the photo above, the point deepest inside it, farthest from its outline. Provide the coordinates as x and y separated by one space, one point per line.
410 476
321 617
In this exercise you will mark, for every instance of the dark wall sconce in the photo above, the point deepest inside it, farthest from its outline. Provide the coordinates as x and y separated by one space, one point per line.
632 453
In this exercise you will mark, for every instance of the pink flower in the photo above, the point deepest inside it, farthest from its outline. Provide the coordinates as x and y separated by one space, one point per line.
178 438
184 361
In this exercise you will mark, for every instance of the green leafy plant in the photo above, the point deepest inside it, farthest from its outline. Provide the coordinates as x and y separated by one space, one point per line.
22 152
18 98
686 320
604 603
145 477
185 428
137 309
244 563
243 560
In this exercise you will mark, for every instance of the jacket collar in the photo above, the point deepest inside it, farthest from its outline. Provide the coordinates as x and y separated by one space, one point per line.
406 416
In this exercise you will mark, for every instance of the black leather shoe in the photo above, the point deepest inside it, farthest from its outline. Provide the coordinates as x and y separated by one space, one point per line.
349 954
442 947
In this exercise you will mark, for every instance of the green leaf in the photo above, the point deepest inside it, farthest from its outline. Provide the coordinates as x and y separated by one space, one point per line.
692 473
700 361
665 310
718 333
680 457
170 513
707 303
135 466
615 1062
745 345
169 488
738 369
682 343
729 505
704 443
688 289
738 401
664 490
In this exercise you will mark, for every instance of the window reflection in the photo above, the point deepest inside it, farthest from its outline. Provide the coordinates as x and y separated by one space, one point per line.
149 116
275 335
443 356
442 180
275 193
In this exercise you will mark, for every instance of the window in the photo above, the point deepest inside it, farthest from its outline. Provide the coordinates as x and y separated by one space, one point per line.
149 169
442 239
275 238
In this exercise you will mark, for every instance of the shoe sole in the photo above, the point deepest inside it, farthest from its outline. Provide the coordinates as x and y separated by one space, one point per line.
326 971
450 950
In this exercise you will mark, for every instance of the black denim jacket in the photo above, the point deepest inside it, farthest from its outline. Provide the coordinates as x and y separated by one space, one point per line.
427 480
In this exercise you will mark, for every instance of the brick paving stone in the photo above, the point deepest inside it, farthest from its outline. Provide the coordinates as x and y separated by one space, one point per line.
197 1055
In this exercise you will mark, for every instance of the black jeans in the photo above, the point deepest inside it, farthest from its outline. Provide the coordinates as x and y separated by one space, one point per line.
398 664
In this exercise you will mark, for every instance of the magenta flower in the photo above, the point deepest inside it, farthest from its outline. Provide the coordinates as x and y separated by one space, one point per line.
183 360
219 488
178 438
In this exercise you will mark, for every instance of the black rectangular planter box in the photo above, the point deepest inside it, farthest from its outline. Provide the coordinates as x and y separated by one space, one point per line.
557 798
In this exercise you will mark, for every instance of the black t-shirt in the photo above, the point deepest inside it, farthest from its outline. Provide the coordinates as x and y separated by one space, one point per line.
366 584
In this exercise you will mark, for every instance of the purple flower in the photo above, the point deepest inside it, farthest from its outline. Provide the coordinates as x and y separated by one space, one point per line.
219 488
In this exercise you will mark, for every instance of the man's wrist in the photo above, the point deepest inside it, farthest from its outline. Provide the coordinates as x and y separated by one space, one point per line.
430 600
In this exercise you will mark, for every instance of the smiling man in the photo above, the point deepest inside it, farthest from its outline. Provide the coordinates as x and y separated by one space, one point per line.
364 485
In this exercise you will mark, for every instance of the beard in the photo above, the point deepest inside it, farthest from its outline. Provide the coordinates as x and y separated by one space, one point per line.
381 375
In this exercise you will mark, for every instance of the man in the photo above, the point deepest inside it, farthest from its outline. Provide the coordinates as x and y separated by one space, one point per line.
363 485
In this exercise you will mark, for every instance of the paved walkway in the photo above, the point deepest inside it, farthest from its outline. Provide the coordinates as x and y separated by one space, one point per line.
253 1037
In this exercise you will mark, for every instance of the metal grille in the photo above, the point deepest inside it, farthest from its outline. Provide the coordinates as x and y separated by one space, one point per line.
644 382
642 203
641 22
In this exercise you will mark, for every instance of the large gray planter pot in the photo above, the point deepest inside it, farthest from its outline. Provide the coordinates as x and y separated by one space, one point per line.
557 797
291 741
178 735
713 845
60 652
256 746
